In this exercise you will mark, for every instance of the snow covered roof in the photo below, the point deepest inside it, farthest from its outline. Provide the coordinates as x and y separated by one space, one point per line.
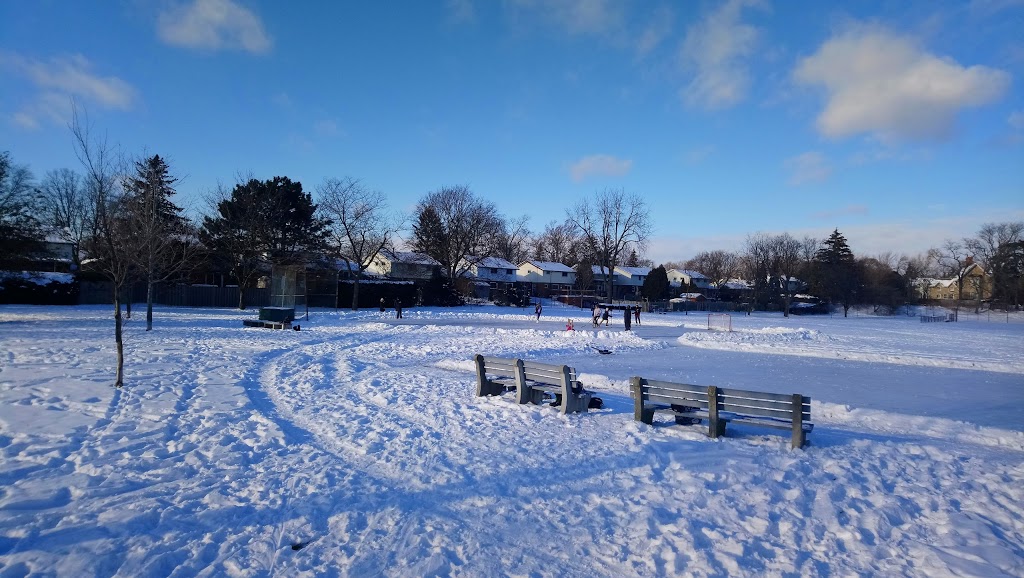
634 271
409 257
689 273
496 263
736 284
551 266
599 269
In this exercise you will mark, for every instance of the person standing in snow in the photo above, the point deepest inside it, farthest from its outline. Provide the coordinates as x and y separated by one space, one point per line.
382 305
627 315
398 308
637 314
596 311
604 317
537 310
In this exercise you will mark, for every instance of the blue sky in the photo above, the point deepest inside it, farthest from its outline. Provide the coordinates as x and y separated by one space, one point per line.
899 123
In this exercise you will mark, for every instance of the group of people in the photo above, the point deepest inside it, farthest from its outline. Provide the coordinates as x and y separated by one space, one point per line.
398 307
603 315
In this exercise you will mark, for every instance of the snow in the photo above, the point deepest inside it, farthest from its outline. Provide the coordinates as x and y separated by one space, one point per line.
355 447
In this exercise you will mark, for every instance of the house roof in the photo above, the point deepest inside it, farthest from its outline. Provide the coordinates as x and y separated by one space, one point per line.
551 266
497 263
634 271
408 257
689 273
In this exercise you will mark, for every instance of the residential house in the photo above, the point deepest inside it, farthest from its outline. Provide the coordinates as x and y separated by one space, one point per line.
976 282
547 278
492 274
680 278
403 265
600 280
630 281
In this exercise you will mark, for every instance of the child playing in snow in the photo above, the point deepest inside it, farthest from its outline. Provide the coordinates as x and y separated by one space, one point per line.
569 326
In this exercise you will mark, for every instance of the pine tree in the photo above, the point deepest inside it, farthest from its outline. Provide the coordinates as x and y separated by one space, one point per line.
837 277
158 233
656 284
429 236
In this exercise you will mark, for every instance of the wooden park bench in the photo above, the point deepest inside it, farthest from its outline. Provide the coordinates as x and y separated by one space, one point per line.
719 406
532 381
272 318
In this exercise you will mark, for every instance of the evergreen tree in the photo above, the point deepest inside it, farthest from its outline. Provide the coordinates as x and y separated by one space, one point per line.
158 233
263 222
836 276
633 260
656 286
21 234
428 233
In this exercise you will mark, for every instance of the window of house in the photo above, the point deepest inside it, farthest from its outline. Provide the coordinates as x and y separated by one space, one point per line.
494 270
564 274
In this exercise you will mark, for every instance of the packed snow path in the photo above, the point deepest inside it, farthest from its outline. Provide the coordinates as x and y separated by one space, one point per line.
356 448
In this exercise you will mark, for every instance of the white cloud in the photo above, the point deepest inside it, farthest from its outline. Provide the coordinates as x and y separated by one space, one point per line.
599 165
61 79
809 167
885 85
461 11
716 49
659 28
578 16
213 24
1016 120
326 127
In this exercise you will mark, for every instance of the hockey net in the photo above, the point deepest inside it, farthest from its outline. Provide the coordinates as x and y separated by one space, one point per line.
719 322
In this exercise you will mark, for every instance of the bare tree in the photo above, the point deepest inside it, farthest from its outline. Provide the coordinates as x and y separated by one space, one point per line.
110 247
560 243
361 224
611 225
986 247
718 266
72 213
786 264
513 239
455 228
757 259
953 257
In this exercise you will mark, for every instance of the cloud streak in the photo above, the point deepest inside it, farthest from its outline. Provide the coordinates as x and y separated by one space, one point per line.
213 24
809 167
716 49
887 86
599 165
60 79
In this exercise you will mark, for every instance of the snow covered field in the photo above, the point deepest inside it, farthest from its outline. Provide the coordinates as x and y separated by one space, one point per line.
355 447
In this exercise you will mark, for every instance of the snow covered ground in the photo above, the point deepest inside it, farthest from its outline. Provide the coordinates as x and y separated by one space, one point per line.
355 447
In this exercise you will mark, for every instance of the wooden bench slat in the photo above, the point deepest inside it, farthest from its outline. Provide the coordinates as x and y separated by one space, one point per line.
756 411
667 385
702 403
730 392
751 402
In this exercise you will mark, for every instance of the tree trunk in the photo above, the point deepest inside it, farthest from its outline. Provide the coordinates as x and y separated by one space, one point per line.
241 297
128 301
118 338
355 294
149 305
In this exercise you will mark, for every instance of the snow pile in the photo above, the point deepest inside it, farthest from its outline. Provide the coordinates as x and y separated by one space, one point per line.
355 447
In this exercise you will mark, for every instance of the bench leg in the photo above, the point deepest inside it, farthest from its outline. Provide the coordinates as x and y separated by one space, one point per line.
573 403
488 387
